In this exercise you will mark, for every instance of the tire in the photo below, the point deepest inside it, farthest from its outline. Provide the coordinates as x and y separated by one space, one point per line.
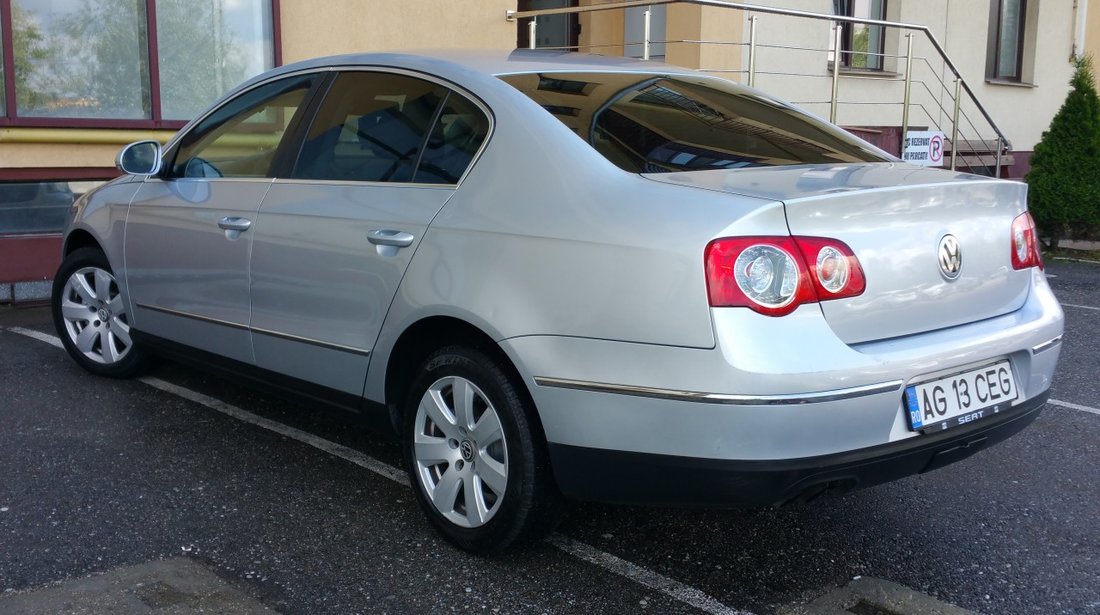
91 318
480 469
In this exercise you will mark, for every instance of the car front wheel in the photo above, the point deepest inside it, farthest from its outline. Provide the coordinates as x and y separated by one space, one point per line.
477 461
90 316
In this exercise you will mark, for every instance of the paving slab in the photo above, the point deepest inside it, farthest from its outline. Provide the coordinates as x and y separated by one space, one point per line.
174 586
871 596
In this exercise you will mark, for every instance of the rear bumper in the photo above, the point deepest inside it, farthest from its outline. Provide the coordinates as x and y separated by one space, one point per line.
605 475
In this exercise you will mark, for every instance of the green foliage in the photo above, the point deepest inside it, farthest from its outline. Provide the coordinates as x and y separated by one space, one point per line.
91 59
860 42
31 48
1064 181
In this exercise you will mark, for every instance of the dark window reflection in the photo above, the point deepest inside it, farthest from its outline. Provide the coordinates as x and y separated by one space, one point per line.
370 127
455 139
37 207
655 124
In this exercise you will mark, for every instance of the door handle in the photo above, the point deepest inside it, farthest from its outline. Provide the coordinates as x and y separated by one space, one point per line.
233 223
386 237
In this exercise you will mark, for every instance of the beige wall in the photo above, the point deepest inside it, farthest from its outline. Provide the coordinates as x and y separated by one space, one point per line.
699 23
23 155
312 29
1092 38
602 32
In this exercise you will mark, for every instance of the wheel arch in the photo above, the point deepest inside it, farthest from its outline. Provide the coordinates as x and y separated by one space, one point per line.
429 334
77 239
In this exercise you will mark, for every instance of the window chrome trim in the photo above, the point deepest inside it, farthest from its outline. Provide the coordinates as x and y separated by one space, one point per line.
721 398
356 182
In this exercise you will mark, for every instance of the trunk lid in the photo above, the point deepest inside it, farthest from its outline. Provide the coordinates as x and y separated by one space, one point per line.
894 217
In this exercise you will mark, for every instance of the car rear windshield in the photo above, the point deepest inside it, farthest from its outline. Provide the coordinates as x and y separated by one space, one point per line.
651 123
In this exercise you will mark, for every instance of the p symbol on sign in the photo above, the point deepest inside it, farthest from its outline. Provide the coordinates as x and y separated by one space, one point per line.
935 148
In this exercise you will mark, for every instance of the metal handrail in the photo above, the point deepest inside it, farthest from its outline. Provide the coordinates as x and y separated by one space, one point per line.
512 15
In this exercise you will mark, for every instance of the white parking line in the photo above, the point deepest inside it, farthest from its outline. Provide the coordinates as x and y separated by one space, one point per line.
332 448
1066 404
1081 307
38 335
653 580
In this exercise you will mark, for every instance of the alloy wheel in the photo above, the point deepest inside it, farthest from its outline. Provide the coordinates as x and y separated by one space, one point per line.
95 317
459 452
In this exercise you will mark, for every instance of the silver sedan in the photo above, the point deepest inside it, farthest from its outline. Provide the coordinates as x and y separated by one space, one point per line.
560 276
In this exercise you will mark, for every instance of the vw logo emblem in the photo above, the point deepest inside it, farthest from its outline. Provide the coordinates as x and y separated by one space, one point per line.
467 450
950 255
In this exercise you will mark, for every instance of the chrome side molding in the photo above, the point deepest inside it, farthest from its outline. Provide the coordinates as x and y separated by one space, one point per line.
721 398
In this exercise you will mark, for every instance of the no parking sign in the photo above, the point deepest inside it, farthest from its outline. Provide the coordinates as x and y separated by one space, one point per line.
923 147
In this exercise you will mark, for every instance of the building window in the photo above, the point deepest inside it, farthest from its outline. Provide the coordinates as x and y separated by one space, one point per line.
1007 39
128 63
862 45
553 31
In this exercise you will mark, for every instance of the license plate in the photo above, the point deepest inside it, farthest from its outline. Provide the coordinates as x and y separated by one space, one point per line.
961 399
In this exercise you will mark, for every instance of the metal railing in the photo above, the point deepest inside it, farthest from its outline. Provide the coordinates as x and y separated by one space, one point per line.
959 119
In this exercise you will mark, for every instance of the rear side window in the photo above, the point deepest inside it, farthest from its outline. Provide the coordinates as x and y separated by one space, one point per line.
456 137
385 127
370 127
650 123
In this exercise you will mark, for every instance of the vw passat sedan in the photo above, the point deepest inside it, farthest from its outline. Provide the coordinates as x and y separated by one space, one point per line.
568 275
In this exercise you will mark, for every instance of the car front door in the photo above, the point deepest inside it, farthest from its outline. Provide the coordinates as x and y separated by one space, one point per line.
189 230
383 154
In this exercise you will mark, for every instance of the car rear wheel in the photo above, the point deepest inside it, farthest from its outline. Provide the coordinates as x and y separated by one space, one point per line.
477 461
91 318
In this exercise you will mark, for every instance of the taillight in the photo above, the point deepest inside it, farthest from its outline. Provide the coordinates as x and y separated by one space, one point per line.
1025 243
834 269
774 275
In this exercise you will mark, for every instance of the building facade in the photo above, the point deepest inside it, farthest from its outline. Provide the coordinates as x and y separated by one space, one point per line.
80 78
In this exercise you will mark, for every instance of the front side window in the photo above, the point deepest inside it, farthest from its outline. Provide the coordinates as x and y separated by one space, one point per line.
241 137
384 127
93 61
1007 34
862 46
661 124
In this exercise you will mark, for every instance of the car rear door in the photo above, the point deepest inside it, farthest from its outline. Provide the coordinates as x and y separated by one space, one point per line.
189 231
384 152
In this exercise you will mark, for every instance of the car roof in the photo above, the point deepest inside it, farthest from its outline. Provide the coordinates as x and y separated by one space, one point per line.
491 62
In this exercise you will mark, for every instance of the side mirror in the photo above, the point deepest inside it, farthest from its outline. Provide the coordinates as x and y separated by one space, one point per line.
141 158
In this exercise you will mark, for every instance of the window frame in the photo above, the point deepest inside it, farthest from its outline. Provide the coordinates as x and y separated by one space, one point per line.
996 23
289 143
294 142
156 122
847 32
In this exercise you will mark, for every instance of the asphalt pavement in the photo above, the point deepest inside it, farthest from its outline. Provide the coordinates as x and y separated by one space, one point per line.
283 506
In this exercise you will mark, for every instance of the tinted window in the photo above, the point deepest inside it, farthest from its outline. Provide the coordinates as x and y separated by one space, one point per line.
370 127
656 123
455 139
240 138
